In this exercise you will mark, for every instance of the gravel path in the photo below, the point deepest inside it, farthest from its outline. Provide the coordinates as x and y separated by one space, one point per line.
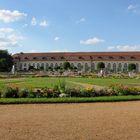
92 121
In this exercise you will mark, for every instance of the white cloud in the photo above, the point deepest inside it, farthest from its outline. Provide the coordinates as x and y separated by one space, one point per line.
91 41
33 21
134 8
6 30
11 16
44 23
81 20
57 38
9 38
125 48
131 7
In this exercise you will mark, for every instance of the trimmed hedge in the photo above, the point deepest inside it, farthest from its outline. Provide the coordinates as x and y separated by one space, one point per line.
68 100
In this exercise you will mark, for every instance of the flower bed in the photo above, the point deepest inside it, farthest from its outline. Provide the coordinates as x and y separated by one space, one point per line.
62 90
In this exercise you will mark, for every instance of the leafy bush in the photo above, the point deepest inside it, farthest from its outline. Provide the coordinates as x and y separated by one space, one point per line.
47 92
88 92
10 92
31 94
103 92
62 86
124 90
23 93
72 92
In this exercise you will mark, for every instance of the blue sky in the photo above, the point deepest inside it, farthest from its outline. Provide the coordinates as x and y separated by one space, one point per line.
69 25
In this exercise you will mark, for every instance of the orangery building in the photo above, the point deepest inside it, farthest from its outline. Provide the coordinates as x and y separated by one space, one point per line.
83 61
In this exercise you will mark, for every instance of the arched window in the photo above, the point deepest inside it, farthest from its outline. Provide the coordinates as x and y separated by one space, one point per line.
51 65
79 66
56 65
114 67
137 67
29 65
125 66
92 67
38 65
109 66
61 64
42 66
47 66
119 67
25 64
20 66
86 67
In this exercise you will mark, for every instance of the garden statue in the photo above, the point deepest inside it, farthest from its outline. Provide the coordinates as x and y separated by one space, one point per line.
13 69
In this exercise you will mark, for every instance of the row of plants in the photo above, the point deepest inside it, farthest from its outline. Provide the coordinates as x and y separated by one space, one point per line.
62 90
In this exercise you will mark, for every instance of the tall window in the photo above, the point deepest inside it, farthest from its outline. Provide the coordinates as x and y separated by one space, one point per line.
109 66
38 65
137 67
125 67
25 64
119 67
86 67
79 66
56 65
51 65
47 66
42 65
114 67
20 66
92 67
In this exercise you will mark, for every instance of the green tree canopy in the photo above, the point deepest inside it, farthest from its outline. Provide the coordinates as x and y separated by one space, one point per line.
132 67
6 61
66 65
100 65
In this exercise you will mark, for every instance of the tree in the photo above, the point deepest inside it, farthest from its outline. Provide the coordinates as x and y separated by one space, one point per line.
66 65
100 66
31 68
131 67
6 61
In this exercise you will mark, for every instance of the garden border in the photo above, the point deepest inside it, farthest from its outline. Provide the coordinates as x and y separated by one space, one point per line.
69 100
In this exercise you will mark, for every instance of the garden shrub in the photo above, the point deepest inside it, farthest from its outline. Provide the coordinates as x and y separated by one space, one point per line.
102 92
31 94
72 92
10 92
23 93
88 92
119 90
47 92
62 86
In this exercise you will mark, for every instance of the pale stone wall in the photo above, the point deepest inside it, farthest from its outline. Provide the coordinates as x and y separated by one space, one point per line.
84 66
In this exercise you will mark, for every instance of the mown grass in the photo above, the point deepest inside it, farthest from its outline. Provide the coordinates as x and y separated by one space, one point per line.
50 82
68 100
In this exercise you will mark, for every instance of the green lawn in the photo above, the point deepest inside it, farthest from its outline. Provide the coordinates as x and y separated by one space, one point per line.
49 82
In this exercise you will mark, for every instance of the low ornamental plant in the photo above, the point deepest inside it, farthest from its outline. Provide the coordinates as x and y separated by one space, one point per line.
119 89
88 92
61 90
23 93
10 92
